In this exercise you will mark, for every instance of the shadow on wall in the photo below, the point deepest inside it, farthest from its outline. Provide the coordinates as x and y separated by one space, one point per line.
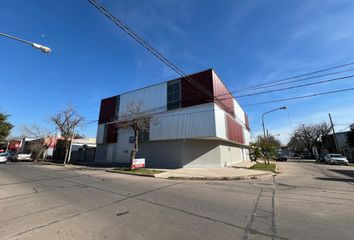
161 154
174 154
201 153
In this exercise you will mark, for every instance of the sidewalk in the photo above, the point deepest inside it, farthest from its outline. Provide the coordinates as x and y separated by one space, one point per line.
212 174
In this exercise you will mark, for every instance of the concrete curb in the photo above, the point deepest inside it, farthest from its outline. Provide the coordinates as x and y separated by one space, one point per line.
50 163
219 178
128 173
194 178
257 176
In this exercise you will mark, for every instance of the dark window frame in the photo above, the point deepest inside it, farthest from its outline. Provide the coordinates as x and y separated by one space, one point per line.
174 95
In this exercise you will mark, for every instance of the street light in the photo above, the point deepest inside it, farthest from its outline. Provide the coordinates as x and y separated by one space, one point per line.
281 108
35 45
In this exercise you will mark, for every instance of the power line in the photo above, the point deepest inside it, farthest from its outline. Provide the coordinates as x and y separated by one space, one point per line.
151 49
300 97
293 81
297 86
301 75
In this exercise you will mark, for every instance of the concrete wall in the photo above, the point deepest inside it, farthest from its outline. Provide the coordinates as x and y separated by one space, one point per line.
173 153
201 153
191 153
162 154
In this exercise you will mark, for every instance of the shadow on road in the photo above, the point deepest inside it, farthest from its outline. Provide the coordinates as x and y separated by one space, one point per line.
346 172
348 180
300 160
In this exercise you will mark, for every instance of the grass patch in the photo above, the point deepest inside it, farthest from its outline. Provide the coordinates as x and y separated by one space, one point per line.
261 166
138 171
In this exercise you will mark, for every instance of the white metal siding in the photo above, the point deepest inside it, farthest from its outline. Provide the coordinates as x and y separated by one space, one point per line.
246 136
152 99
100 134
193 122
220 122
123 146
240 114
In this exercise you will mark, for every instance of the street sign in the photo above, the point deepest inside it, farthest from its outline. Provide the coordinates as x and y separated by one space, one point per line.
138 163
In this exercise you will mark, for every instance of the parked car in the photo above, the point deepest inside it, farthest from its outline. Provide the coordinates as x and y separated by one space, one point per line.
3 157
321 157
305 156
334 158
23 157
11 156
281 157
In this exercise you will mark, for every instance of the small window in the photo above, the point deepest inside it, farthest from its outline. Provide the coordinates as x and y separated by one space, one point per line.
173 95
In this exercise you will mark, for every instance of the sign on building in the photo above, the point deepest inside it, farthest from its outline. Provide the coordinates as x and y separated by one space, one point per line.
138 163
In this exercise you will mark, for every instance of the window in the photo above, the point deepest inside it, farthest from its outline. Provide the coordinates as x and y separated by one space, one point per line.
173 95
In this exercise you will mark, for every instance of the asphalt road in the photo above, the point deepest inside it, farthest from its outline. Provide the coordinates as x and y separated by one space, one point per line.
306 201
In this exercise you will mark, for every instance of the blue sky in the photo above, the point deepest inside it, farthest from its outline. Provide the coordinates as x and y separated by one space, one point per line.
246 42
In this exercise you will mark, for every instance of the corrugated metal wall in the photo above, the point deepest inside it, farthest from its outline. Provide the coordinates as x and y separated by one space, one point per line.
152 99
247 123
225 99
124 147
111 133
192 95
193 122
100 133
107 110
239 113
247 136
234 131
220 122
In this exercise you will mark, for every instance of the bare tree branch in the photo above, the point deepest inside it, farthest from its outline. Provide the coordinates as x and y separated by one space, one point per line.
67 121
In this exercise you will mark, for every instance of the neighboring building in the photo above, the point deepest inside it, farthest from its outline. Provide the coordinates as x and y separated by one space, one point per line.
189 128
82 150
342 141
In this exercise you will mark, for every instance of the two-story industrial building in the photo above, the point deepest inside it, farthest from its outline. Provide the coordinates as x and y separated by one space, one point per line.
194 123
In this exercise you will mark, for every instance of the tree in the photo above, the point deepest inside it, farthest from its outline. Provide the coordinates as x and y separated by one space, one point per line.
43 139
136 119
296 145
67 121
311 135
5 126
264 147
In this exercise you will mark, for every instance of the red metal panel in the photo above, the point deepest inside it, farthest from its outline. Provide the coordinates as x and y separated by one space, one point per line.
247 122
107 110
111 133
223 95
192 95
234 131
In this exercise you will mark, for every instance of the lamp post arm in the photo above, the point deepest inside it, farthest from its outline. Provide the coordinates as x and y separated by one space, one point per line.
15 38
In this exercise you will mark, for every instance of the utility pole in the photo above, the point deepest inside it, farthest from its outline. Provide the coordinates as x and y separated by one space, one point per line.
70 146
334 134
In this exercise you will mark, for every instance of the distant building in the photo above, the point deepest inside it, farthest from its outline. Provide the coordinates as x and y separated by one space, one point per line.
189 128
82 150
345 148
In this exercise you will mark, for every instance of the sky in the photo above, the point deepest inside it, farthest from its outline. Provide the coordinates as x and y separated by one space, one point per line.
245 42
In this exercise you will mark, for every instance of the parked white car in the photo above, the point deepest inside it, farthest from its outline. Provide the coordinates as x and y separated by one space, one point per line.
3 157
23 157
333 158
